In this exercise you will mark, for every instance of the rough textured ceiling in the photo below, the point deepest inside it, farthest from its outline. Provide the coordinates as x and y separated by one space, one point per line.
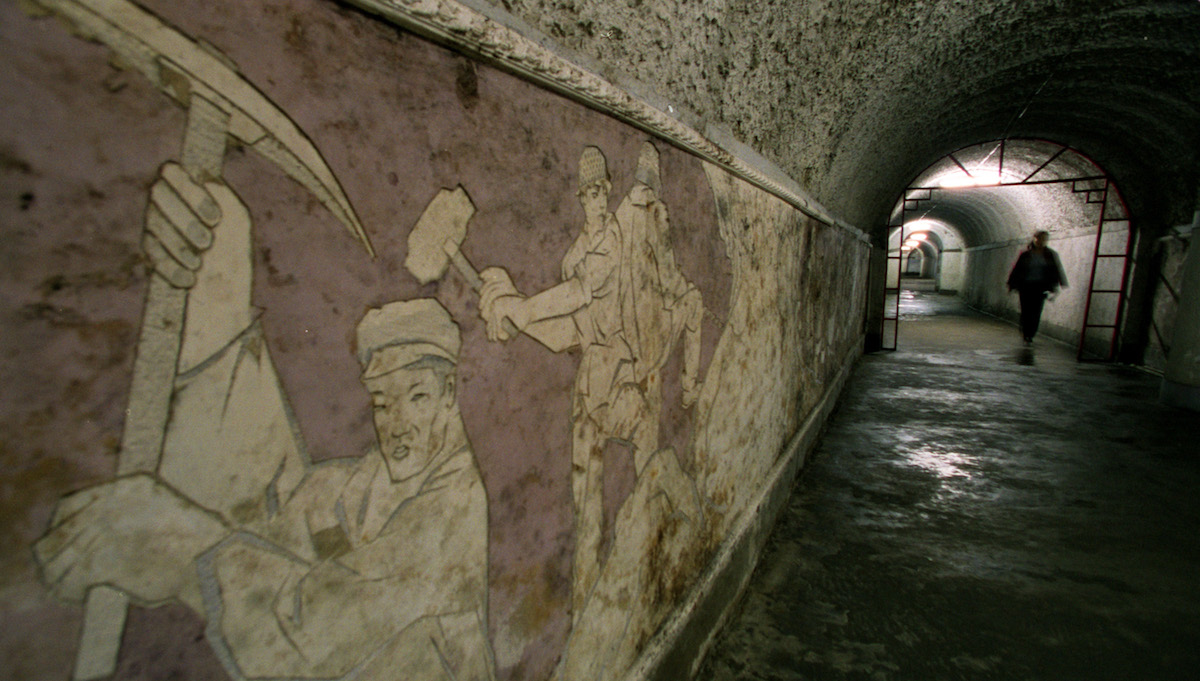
855 97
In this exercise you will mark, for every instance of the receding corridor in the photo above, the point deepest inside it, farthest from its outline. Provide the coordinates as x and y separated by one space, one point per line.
980 510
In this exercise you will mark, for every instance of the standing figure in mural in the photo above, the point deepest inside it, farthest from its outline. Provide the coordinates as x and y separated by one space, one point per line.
658 304
374 566
1036 275
585 311
624 303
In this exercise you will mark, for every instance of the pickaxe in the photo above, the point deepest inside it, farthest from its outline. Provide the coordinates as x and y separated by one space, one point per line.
220 104
436 242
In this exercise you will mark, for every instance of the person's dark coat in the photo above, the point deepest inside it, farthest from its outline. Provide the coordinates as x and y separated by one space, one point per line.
1026 276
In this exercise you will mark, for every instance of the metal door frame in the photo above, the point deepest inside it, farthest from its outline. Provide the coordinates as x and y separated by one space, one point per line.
1096 187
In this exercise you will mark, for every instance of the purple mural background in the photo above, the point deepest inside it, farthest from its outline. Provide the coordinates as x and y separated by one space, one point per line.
396 118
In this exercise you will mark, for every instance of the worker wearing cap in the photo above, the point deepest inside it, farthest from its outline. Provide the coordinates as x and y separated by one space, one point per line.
376 565
584 311
658 304
373 567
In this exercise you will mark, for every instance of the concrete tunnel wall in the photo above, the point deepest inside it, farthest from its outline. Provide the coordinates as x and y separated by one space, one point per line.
784 127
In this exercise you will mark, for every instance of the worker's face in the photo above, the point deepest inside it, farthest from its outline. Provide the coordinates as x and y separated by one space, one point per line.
412 409
642 195
594 199
1040 239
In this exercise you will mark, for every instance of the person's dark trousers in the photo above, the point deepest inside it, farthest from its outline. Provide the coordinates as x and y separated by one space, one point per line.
1032 301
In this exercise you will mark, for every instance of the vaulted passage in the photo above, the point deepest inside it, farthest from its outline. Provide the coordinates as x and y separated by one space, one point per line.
981 510
963 221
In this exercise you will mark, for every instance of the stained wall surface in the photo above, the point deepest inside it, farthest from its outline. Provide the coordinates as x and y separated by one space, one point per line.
1170 252
360 468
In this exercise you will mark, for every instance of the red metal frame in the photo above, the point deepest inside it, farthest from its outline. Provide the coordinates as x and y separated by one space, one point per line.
890 290
905 209
1096 256
1085 184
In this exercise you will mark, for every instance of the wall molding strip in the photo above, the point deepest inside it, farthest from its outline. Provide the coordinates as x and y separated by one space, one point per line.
490 34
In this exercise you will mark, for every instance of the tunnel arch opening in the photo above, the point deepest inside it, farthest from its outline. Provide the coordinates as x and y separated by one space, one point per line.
966 217
931 255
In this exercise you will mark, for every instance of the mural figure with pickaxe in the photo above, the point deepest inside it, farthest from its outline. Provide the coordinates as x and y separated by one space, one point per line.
299 570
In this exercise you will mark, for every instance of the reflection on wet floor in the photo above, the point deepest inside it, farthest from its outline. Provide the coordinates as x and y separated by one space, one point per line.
942 328
1025 357
978 509
915 305
942 463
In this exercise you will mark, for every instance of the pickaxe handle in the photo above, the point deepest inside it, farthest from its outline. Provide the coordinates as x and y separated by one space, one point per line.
467 270
154 371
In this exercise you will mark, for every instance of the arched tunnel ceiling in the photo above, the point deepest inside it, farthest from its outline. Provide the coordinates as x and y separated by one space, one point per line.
1120 81
855 97
983 216
976 219
1004 190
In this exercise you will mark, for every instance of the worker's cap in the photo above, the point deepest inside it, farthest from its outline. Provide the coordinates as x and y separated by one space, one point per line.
400 333
647 168
592 167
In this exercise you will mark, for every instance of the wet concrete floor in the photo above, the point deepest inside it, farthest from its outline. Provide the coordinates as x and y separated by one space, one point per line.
980 510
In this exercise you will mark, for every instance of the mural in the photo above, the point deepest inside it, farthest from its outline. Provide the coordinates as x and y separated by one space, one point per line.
324 444
219 509
623 302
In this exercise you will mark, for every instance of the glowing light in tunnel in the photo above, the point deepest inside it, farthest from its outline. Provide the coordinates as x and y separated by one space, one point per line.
918 237
943 464
976 179
921 225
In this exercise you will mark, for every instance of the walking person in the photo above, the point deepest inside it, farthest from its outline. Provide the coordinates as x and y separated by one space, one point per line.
1037 274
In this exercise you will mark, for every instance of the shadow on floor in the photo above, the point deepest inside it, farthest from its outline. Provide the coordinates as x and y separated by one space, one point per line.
982 510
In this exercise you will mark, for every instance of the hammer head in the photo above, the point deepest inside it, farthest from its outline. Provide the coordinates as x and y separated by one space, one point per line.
438 234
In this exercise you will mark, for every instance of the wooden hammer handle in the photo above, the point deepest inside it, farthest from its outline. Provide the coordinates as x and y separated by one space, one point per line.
468 272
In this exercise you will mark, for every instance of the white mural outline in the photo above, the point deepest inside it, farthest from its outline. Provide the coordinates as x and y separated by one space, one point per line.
284 559
215 504
624 302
